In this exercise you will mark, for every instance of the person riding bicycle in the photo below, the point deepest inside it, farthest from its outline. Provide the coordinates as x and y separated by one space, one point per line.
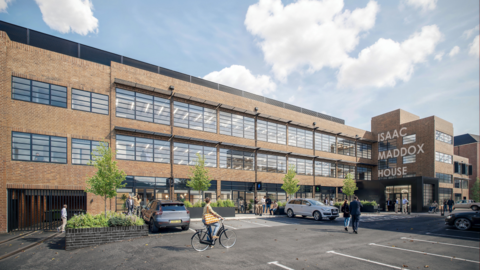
208 210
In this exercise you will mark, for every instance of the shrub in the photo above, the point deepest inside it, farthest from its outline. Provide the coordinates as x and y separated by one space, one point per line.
197 204
220 203
188 204
229 203
338 204
214 204
367 203
112 219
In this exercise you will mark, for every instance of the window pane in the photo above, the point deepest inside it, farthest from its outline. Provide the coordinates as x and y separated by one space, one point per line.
262 162
38 92
261 130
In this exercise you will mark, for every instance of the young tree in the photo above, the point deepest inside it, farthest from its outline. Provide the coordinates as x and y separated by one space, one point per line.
475 191
349 185
199 178
108 177
290 184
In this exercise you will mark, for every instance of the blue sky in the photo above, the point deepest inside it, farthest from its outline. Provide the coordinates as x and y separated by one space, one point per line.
353 59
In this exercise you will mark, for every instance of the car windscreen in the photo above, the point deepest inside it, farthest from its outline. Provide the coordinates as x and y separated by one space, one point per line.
173 207
315 202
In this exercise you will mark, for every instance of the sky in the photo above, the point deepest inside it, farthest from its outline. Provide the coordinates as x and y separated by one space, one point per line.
352 59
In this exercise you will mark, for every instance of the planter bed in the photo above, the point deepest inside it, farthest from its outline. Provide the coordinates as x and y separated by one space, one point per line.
80 238
197 212
369 208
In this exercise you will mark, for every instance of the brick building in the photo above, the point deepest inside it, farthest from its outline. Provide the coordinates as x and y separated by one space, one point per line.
59 99
468 146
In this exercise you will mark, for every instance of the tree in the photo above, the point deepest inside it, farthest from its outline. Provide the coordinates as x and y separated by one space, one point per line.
108 177
199 178
290 184
349 185
475 191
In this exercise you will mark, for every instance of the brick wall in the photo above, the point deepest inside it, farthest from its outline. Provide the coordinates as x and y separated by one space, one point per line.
80 238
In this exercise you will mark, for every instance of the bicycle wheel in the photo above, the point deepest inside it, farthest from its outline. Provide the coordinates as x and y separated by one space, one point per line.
196 244
228 238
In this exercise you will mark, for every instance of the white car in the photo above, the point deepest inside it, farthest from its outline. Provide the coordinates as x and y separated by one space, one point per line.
310 207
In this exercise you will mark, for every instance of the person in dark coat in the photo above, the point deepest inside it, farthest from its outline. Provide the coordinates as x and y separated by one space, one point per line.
355 213
346 214
450 204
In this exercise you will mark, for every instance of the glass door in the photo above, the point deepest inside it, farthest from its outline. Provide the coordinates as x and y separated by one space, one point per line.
249 199
239 201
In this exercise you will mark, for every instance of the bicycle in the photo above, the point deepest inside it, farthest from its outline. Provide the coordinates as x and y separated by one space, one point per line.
227 238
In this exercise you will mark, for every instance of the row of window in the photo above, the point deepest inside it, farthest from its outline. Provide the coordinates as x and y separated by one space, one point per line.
440 136
137 106
271 132
445 158
237 125
271 163
392 162
194 117
444 178
237 160
462 168
461 183
300 138
302 166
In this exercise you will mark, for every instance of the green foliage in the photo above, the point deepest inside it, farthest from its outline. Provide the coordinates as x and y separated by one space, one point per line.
199 204
108 177
349 185
219 203
475 191
109 219
249 207
188 204
228 203
367 203
199 178
338 204
281 204
214 204
290 184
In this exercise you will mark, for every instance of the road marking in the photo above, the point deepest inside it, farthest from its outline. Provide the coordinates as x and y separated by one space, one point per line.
256 223
425 253
365 260
438 243
282 266
461 231
453 236
192 230
229 226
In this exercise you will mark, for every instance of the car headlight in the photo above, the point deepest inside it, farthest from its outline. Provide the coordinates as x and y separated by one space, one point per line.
449 217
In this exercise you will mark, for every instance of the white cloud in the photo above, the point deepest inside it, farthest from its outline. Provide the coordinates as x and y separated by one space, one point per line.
424 5
439 56
241 78
470 32
4 5
474 47
307 33
387 61
455 50
72 15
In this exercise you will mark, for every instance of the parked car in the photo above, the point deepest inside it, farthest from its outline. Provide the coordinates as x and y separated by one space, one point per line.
310 207
468 204
463 220
166 213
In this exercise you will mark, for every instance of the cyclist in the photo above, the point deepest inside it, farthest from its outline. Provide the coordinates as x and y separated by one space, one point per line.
208 210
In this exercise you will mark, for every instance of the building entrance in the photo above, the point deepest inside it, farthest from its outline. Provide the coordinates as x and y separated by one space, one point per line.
399 192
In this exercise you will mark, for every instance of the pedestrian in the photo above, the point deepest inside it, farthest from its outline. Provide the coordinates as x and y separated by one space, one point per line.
405 205
129 204
255 202
64 219
355 213
259 208
331 202
274 208
138 207
444 206
242 205
325 201
389 202
346 214
450 204
263 203
397 206
269 203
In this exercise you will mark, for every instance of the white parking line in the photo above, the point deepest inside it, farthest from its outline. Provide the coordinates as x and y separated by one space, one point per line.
461 231
438 242
282 266
229 226
365 260
192 230
453 236
256 223
425 253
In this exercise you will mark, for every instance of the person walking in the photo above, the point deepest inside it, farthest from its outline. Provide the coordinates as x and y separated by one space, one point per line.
397 206
389 202
138 207
130 205
263 203
331 202
269 203
404 205
346 214
450 204
64 219
208 210
242 205
444 206
355 213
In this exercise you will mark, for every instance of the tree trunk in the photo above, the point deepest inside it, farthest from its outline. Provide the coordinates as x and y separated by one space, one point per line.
105 206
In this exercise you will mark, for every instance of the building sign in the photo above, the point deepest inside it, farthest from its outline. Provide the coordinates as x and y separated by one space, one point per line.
399 152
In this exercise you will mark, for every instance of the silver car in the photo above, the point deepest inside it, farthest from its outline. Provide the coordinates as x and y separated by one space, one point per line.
310 207
166 213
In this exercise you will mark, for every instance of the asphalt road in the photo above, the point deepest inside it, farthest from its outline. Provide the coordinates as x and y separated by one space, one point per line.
279 243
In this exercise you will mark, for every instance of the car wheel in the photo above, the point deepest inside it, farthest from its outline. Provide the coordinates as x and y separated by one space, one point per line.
151 227
462 224
186 227
332 218
475 208
290 213
317 216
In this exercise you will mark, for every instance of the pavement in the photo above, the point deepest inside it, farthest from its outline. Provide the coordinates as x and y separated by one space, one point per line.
384 242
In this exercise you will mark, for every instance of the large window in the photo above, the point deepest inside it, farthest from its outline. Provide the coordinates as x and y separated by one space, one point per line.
271 132
461 183
409 159
364 173
142 107
346 147
445 158
302 166
186 154
83 151
323 168
324 142
387 145
444 178
238 160
409 139
271 163
343 170
39 148
387 163
444 194
194 117
142 149
89 102
440 136
300 138
364 150
39 92
427 194
237 125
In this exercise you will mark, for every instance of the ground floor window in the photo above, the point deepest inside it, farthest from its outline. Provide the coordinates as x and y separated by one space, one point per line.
304 192
444 194
325 193
399 193
427 194
183 193
241 193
